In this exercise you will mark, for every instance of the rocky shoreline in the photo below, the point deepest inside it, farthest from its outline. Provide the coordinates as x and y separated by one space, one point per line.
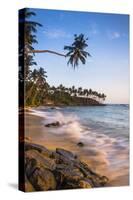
56 170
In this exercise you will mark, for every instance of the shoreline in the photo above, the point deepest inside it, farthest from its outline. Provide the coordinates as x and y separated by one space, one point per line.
38 134
57 170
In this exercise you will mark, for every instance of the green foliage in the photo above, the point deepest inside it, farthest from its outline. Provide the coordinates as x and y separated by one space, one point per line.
37 90
76 52
62 95
27 37
36 87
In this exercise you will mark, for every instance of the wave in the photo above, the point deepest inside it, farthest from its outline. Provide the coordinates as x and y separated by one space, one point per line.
108 152
69 124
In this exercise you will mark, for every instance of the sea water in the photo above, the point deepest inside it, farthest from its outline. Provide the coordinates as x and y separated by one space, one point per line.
104 131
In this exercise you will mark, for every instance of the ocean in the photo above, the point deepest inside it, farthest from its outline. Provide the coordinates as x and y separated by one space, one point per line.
104 131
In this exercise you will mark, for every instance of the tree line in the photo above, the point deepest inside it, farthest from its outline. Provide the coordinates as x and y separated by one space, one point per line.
36 89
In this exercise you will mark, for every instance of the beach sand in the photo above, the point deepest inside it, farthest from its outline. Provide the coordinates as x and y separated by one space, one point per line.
37 133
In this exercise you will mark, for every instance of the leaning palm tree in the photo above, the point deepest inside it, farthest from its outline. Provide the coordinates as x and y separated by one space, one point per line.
27 37
76 52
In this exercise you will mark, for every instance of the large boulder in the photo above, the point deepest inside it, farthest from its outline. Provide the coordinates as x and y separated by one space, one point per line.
55 170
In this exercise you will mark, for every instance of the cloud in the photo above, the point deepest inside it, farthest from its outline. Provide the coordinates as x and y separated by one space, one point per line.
93 29
93 32
114 35
57 33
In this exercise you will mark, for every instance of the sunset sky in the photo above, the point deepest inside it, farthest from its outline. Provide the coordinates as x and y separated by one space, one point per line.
106 71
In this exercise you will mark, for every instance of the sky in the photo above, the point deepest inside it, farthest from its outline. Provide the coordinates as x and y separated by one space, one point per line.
106 71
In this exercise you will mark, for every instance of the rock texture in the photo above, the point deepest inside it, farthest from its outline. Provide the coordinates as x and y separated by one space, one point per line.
53 124
56 170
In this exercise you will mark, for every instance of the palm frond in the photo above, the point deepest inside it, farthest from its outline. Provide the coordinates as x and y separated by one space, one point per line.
76 52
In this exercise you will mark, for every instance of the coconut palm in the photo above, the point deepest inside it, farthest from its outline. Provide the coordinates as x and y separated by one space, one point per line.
31 84
103 96
34 75
90 92
27 37
73 89
79 91
41 85
76 52
41 77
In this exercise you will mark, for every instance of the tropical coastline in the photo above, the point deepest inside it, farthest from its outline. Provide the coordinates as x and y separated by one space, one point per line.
87 148
73 122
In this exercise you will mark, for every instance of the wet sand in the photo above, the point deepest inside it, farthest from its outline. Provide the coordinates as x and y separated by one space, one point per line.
39 134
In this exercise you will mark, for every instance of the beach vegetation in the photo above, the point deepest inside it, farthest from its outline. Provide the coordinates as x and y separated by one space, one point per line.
33 79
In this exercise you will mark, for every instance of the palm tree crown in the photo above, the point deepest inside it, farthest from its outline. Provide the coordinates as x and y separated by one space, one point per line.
76 52
27 37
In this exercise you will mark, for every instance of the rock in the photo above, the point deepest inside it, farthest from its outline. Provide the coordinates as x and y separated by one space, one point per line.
103 180
39 175
84 184
43 179
66 154
41 159
69 173
80 144
28 138
39 148
54 124
56 170
28 186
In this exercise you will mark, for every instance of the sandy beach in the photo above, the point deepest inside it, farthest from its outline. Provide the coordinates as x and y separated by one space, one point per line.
37 133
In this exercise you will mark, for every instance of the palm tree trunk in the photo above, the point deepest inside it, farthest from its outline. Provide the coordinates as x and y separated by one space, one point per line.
48 51
34 98
30 92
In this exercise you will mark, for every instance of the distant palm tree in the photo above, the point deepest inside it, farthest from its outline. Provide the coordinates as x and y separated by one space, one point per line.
87 93
94 94
73 89
103 96
79 90
90 92
76 52
75 92
99 96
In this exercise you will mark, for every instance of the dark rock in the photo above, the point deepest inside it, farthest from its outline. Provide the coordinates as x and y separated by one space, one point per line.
84 183
43 179
52 108
28 186
66 154
39 148
50 170
54 124
70 173
41 159
80 144
103 180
